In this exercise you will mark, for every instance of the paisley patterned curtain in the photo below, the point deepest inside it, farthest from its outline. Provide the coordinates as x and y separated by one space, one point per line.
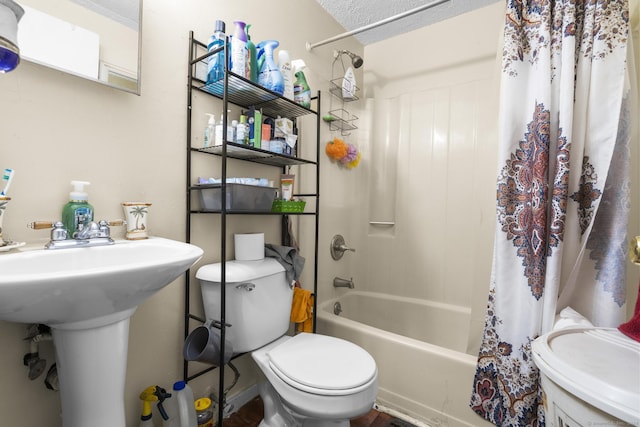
562 192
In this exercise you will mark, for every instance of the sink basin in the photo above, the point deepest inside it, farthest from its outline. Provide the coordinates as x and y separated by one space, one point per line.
87 296
74 285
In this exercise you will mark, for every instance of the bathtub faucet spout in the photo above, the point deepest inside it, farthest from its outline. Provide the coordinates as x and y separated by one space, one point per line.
343 283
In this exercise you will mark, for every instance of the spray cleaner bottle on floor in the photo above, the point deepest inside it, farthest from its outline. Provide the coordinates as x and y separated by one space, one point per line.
152 394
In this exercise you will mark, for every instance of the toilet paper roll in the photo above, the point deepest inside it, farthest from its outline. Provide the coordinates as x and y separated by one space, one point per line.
249 247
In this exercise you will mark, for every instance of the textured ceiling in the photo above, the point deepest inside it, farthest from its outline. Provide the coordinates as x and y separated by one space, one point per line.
354 14
126 12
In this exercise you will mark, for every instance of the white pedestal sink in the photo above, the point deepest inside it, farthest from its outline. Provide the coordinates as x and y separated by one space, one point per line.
87 295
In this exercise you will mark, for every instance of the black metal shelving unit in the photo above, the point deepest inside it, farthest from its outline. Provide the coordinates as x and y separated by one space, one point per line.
237 90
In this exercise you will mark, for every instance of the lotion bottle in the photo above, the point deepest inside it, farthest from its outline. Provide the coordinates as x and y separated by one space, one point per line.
210 131
77 212
232 136
218 140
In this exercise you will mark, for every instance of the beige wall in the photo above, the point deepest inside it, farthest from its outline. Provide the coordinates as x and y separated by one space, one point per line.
57 127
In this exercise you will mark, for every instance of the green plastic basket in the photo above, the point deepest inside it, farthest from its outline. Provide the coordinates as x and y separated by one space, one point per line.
288 206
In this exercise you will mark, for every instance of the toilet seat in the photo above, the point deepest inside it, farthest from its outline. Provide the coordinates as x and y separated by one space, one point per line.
323 365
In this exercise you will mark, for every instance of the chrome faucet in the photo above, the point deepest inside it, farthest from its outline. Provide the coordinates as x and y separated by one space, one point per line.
92 230
90 234
343 283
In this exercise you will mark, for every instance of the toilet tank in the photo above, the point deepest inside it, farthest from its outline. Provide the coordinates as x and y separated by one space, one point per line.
257 301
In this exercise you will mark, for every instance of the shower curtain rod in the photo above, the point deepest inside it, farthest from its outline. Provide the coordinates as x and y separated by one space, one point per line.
375 24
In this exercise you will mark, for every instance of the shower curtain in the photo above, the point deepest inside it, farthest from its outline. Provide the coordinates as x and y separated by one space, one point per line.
562 191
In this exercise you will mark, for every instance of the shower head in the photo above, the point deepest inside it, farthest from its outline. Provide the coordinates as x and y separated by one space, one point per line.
355 59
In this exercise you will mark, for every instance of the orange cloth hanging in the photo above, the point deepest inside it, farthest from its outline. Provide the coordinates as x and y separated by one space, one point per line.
302 310
307 325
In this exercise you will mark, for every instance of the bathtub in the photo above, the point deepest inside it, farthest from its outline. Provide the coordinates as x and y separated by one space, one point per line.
419 347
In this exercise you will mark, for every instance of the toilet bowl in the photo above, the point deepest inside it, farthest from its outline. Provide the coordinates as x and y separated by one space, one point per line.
319 380
308 380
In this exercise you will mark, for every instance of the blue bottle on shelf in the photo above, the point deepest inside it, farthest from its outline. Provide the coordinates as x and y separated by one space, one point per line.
215 65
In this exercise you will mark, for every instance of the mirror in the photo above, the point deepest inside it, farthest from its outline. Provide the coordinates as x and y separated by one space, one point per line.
95 39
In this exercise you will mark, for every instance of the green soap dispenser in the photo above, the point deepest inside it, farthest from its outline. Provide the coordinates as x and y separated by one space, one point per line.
77 211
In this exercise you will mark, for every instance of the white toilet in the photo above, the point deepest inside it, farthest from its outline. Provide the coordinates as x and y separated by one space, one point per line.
310 380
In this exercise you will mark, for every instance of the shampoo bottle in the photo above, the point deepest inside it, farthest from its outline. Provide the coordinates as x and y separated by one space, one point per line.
77 212
215 66
284 63
239 50
301 90
210 131
252 63
269 75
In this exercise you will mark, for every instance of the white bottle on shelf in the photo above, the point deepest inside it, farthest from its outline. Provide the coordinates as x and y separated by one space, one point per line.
210 131
219 134
234 131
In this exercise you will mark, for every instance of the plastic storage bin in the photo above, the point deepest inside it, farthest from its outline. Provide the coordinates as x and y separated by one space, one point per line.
240 197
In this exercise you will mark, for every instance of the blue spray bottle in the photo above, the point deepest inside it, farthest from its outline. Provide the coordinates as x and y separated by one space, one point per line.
269 75
215 66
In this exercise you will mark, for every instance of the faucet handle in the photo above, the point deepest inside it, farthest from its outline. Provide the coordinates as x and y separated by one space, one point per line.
103 229
338 247
40 225
59 232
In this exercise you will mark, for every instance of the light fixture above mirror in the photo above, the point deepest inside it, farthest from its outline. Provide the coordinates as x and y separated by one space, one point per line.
10 15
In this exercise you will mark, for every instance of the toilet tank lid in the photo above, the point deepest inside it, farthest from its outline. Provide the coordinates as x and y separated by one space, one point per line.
240 271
